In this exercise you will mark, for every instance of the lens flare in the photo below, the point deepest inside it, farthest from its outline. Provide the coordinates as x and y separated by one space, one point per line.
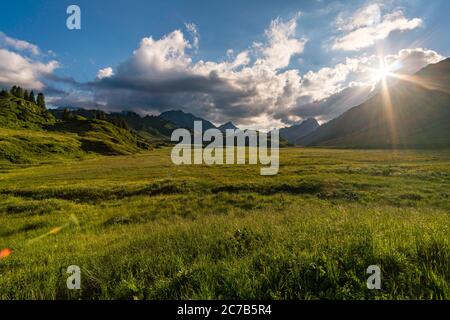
55 230
5 253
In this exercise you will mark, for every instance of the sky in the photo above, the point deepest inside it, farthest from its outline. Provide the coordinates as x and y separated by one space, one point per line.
260 64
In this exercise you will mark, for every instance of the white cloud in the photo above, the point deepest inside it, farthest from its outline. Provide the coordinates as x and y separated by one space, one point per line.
20 65
161 75
364 17
367 26
282 44
409 61
193 31
254 87
18 45
105 73
159 59
18 70
329 92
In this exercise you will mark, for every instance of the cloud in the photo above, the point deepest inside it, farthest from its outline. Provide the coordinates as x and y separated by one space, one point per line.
161 75
20 64
18 45
254 87
329 92
363 17
105 73
367 26
328 108
16 69
409 61
193 31
282 44
161 59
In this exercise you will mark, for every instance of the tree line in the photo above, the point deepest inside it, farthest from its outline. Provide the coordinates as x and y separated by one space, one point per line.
22 93
68 115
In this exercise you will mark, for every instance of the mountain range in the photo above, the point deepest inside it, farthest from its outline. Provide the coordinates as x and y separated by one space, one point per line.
228 126
295 132
185 120
413 113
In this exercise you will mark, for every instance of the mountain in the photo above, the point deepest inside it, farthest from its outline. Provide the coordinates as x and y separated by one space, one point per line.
101 136
30 133
16 113
152 128
229 125
414 113
295 132
185 120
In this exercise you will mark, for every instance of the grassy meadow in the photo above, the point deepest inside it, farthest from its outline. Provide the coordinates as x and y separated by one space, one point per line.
140 227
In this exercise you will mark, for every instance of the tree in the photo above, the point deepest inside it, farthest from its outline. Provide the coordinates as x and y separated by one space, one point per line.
67 114
100 115
13 91
40 101
17 92
31 97
124 124
4 93
26 95
20 92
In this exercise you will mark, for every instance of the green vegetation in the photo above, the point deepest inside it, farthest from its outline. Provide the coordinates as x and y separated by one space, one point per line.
31 146
101 136
29 133
142 228
147 229
17 113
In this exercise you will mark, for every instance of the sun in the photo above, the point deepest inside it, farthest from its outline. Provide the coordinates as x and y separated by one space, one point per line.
382 73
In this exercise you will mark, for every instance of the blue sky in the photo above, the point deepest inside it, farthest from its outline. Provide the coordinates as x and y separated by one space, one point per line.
297 56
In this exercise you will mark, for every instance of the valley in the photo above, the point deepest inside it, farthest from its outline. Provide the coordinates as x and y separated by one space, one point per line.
140 227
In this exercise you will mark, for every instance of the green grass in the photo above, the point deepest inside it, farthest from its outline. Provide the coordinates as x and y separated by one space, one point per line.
34 146
30 134
150 230
16 113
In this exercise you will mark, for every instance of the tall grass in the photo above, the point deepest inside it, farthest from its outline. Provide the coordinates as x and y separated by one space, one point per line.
149 230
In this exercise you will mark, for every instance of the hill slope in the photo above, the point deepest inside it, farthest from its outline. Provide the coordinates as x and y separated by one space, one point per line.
154 129
414 113
16 113
29 133
100 136
295 132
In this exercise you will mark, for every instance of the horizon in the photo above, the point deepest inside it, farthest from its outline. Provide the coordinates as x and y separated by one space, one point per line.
272 68
224 159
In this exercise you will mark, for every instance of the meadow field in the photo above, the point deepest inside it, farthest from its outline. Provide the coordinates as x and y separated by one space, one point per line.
140 227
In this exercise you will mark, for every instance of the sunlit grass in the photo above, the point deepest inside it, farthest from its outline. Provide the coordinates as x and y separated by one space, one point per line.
147 229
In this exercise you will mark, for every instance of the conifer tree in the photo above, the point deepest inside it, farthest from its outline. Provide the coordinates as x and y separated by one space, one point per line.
40 101
31 97
20 92
13 91
67 114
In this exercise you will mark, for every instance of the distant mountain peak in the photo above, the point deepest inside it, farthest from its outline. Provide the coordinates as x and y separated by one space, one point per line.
228 125
297 131
416 116
184 120
309 120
